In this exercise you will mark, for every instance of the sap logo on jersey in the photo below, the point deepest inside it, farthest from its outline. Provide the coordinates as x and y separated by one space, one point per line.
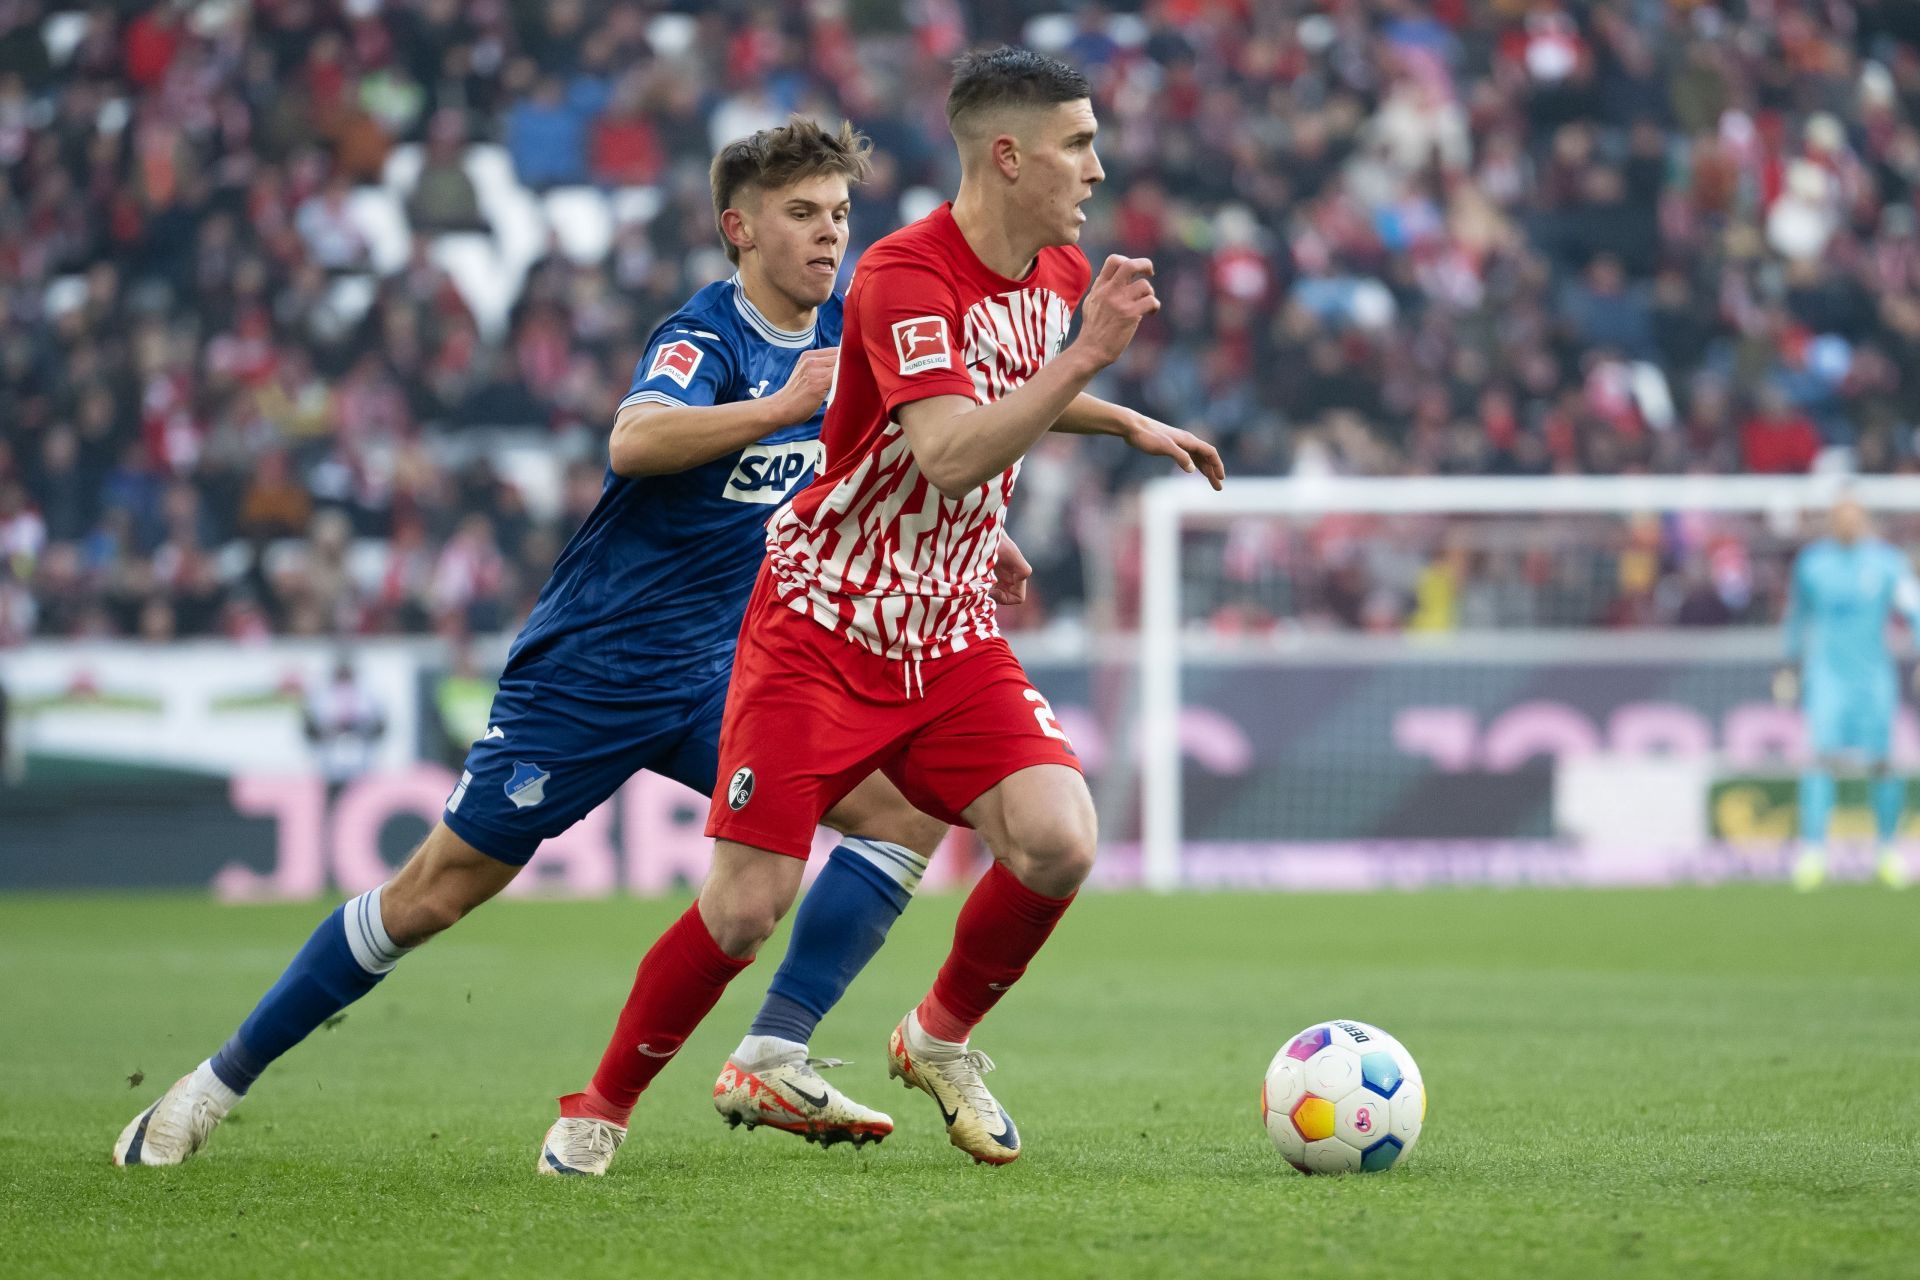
921 343
678 360
767 473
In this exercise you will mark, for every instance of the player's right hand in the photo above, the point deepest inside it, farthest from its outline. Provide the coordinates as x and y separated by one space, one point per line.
807 386
1786 687
1122 295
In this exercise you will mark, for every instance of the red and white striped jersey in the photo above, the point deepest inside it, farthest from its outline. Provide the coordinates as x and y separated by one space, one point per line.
871 550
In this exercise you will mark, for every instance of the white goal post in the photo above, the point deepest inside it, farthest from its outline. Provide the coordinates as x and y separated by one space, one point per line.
1172 505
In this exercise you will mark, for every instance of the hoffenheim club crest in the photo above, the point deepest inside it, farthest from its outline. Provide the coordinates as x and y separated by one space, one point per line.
528 785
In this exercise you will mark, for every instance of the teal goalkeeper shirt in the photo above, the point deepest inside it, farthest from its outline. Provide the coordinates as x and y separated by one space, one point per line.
1841 598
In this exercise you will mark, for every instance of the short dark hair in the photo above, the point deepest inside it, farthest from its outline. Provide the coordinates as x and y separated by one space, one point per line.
787 153
1010 77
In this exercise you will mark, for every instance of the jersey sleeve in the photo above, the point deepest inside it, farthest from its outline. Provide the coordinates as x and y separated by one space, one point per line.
684 366
909 319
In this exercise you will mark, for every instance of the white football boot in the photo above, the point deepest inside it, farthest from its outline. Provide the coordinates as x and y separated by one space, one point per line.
785 1092
950 1075
1891 869
579 1146
179 1124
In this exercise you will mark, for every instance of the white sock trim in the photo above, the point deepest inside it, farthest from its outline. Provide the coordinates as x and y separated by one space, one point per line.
367 936
901 864
208 1081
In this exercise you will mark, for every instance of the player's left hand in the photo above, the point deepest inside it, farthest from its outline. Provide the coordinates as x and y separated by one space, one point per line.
1010 574
1188 451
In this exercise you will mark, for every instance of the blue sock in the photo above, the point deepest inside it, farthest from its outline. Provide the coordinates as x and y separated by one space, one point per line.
840 925
1889 799
346 956
1816 805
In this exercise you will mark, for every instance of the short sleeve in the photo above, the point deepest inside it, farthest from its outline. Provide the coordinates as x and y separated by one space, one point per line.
909 322
683 366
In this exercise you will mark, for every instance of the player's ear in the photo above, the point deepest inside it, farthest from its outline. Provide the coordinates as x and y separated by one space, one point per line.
1005 152
737 227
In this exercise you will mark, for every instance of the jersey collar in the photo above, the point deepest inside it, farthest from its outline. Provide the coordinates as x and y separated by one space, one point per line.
765 327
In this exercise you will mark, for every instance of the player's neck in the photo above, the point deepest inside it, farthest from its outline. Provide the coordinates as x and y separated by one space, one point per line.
988 230
780 311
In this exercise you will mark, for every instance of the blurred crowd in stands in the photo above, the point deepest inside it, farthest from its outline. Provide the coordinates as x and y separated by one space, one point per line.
314 313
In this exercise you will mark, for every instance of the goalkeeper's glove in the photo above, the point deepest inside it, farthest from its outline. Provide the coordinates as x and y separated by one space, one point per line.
1786 686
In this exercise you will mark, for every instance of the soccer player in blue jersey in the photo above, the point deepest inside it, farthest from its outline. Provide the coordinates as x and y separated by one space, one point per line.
1845 588
623 665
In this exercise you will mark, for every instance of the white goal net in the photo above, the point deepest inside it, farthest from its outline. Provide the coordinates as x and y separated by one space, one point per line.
1353 682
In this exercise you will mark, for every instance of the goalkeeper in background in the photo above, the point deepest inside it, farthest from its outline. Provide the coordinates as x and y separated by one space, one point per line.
1844 588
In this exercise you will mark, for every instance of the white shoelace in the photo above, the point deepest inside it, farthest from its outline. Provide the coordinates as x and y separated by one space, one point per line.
973 1087
591 1139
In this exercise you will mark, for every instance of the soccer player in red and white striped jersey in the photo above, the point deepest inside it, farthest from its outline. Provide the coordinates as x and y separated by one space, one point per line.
870 642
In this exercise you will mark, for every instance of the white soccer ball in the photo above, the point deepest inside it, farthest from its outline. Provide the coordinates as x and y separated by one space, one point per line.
1343 1097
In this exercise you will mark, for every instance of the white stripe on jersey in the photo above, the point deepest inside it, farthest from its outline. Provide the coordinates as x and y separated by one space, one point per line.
885 559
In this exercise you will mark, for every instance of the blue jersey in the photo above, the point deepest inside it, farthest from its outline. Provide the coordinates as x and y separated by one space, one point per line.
654 584
1842 597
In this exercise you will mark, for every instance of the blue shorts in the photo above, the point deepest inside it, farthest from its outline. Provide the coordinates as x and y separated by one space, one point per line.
1851 713
559 744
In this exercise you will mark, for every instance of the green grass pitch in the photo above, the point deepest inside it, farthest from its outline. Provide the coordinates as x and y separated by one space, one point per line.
1690 1083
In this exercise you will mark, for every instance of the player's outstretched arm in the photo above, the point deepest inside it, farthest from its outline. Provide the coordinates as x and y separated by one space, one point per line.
652 439
960 445
1091 416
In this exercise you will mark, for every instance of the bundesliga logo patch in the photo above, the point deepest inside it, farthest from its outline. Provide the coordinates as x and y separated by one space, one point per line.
740 790
678 360
921 344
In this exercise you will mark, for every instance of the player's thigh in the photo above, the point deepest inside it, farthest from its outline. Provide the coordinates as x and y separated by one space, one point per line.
556 749
877 810
1869 724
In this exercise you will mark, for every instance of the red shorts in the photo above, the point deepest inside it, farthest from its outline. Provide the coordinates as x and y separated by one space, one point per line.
810 715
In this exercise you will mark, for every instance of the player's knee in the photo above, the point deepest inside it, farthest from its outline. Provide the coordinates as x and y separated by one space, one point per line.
1053 853
740 923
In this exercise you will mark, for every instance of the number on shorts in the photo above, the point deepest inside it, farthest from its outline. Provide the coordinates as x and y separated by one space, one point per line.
1043 715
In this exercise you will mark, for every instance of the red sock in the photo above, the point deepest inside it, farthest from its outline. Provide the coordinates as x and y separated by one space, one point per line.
1002 926
679 982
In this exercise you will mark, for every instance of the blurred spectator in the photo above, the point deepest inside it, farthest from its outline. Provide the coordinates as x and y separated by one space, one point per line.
246 365
344 723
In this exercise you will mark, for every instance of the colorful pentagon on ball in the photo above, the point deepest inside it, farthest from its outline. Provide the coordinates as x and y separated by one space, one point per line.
1308 1043
1381 1155
1380 1072
1313 1118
